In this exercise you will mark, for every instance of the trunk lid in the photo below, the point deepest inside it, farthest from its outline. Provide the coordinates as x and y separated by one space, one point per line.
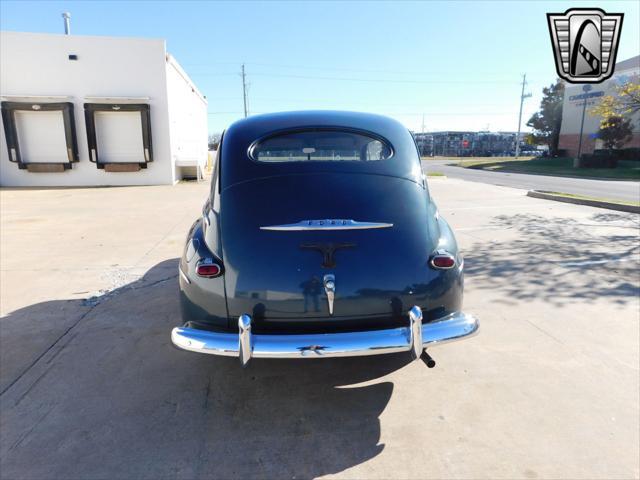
278 275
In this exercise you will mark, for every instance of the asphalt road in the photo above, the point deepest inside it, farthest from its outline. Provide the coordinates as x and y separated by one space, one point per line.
609 189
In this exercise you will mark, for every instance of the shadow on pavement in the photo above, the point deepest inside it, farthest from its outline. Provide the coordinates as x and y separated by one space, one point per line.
559 259
112 398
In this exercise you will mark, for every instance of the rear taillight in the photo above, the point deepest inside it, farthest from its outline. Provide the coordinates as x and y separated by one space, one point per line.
442 261
208 270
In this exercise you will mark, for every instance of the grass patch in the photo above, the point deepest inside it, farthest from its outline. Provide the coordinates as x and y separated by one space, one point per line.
435 174
597 199
471 162
476 159
562 167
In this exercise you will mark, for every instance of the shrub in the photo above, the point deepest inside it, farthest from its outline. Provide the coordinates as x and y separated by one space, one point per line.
598 161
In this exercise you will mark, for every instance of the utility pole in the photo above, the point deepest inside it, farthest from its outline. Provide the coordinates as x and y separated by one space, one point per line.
522 97
244 91
423 124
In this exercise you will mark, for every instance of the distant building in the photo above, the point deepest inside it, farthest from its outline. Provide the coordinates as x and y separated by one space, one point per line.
628 70
468 144
502 144
424 141
88 110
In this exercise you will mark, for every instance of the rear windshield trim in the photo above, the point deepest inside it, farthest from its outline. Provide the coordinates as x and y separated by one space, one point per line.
277 133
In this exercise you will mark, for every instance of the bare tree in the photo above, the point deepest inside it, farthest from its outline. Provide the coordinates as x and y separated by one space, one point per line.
214 140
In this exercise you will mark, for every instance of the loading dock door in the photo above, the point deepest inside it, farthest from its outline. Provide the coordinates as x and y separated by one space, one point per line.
40 137
119 136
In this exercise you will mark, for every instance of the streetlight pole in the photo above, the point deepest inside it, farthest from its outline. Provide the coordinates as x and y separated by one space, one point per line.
586 89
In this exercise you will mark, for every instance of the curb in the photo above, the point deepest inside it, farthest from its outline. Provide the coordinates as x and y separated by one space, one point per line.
583 201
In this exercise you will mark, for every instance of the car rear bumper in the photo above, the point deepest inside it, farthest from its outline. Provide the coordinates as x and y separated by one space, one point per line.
413 338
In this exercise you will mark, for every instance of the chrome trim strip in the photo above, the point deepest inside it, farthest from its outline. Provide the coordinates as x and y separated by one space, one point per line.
327 224
205 215
184 275
453 327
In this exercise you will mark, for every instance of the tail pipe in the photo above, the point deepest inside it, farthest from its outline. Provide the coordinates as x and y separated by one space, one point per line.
426 358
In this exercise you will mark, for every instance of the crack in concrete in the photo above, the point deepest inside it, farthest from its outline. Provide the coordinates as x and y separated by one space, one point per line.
24 436
92 306
33 385
47 350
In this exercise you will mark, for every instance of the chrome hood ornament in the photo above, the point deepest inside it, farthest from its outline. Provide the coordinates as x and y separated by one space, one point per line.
328 224
329 281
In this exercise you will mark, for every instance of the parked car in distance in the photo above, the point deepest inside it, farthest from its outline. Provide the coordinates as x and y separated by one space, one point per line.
319 239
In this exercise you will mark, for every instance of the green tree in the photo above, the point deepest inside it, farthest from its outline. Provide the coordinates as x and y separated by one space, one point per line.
546 121
615 131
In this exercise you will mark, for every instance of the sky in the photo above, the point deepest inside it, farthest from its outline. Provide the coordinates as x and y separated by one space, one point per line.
458 65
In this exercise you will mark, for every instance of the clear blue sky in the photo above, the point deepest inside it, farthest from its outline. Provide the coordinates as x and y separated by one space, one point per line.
459 63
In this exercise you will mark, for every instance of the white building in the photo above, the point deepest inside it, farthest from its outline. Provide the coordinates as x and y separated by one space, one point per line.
85 110
574 103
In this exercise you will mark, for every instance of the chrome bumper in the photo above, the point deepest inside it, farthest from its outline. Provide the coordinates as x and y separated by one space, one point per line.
413 338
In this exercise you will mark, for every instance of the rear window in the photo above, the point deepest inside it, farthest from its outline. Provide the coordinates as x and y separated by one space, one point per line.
321 146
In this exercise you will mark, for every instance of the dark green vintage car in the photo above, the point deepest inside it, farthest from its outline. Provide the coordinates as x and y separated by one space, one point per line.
320 239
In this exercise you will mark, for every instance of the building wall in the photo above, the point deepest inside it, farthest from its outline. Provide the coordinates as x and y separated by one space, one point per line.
188 119
37 64
572 110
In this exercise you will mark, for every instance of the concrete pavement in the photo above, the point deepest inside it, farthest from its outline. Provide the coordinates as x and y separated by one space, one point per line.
610 189
94 389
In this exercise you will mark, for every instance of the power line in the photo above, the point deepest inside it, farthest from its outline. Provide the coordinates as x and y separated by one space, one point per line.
333 99
375 80
341 69
214 74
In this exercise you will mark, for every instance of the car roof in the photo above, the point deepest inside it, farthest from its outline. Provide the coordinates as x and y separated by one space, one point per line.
261 125
237 166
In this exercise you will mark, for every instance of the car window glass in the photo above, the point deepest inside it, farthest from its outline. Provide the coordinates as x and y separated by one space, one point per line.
321 145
